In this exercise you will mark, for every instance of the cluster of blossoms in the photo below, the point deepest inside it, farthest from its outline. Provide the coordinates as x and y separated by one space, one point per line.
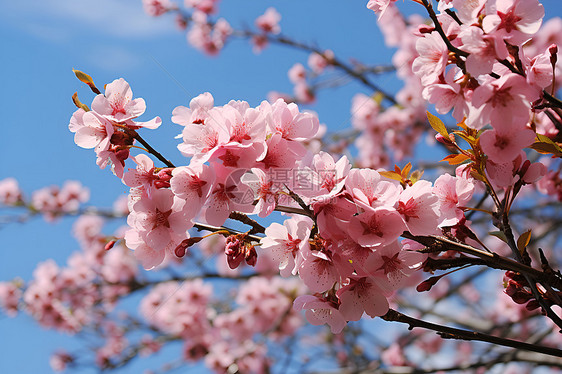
488 70
186 310
339 249
69 298
109 126
342 234
51 201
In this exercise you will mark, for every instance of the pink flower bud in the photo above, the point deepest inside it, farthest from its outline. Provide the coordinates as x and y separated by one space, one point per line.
553 50
109 245
427 284
234 252
251 256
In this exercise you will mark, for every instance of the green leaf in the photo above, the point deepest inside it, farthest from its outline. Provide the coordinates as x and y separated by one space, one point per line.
500 235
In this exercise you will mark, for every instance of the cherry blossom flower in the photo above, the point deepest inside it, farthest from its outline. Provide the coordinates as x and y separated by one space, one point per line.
265 191
320 311
379 6
318 62
160 223
10 296
503 143
269 21
286 243
433 57
514 20
156 8
226 196
197 112
453 192
369 190
10 193
143 176
193 184
503 100
117 105
419 208
91 130
392 265
361 295
376 227
483 49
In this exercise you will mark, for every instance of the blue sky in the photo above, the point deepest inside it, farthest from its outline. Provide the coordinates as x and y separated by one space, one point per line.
40 43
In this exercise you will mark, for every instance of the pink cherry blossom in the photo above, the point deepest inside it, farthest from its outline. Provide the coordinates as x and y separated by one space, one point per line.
287 120
376 227
391 265
321 269
197 112
514 20
468 11
286 243
361 295
297 73
320 311
201 140
269 21
92 131
379 6
453 192
159 222
205 6
369 190
265 191
193 184
433 57
156 8
419 208
504 100
483 49
448 94
539 70
118 105
10 193
226 196
10 296
503 143
319 62
143 176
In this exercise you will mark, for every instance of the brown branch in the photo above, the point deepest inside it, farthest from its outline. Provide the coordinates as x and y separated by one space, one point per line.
241 217
439 244
151 150
453 333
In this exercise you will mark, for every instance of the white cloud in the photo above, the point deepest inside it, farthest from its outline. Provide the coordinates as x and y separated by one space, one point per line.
118 18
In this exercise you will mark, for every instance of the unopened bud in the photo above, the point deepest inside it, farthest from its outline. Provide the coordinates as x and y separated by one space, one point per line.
441 139
521 297
251 256
161 184
234 252
427 284
553 50
122 154
109 245
532 305
165 174
181 249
